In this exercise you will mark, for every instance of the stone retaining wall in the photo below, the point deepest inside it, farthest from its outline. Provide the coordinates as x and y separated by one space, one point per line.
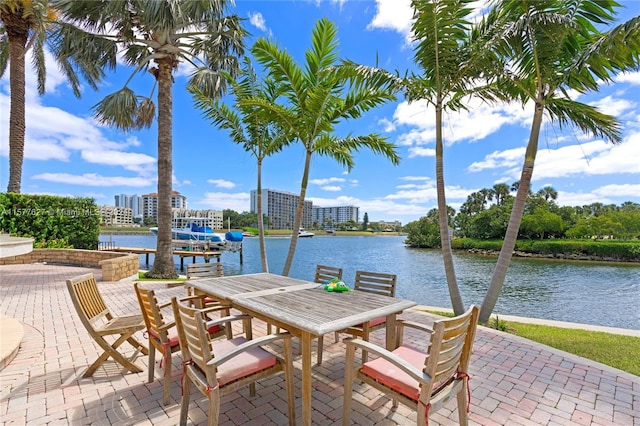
115 266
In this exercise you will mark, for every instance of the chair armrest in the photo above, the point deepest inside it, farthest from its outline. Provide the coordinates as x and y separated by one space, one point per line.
261 341
166 326
418 375
415 325
225 320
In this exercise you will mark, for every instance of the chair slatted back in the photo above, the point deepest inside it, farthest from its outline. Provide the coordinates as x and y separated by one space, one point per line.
87 299
450 348
205 270
325 273
195 344
150 307
376 283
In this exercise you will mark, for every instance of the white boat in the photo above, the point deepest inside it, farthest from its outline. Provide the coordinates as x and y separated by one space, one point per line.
305 234
193 232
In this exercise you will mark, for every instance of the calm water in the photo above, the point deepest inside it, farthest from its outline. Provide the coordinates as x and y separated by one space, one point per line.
591 293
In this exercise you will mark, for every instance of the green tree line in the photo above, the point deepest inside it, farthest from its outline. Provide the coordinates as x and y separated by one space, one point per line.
485 215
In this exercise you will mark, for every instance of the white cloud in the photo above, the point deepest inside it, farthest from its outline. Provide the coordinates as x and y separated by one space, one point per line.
612 106
421 152
257 20
629 77
222 201
325 181
221 183
331 188
476 123
591 158
395 15
93 179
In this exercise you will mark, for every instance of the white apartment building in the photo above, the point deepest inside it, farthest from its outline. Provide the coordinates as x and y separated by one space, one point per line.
150 205
116 216
280 207
328 217
210 218
134 202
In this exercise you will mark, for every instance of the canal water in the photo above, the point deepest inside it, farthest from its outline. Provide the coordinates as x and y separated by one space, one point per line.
606 294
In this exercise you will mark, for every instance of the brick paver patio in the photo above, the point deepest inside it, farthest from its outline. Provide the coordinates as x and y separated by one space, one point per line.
514 381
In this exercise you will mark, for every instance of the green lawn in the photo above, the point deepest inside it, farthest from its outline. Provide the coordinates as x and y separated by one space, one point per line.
614 350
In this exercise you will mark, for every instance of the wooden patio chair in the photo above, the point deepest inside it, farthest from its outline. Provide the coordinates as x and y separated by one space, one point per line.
376 283
238 362
100 323
163 335
325 273
204 270
424 380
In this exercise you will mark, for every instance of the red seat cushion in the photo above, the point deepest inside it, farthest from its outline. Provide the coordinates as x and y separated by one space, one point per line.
172 334
242 365
373 322
390 375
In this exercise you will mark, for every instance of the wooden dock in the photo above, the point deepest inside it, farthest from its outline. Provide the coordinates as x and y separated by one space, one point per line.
207 255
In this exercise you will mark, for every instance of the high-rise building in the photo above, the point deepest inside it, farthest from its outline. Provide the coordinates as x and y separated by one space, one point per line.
133 202
114 216
329 217
280 207
150 205
210 218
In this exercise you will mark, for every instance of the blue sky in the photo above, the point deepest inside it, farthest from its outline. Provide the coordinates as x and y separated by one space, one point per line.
68 153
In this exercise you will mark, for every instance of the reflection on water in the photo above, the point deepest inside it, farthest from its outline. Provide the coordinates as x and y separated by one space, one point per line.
592 293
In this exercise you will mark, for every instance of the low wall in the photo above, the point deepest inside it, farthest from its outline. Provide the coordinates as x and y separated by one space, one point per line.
115 266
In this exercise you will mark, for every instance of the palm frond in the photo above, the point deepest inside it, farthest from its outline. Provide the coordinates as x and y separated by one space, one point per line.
587 118
145 114
119 109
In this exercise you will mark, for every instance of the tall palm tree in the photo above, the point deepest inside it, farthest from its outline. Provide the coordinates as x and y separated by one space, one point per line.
500 192
260 137
549 47
155 36
444 55
315 98
548 192
32 24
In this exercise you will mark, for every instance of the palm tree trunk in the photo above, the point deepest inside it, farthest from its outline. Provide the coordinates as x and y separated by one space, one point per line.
17 51
443 219
511 236
163 266
263 246
299 211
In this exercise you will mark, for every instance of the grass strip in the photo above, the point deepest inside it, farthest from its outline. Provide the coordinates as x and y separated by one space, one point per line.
615 350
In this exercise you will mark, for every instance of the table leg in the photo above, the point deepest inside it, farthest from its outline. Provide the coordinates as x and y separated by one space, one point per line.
391 332
305 342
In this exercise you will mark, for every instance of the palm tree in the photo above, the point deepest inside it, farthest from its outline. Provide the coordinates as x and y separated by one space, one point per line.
500 192
316 98
548 48
32 25
548 192
155 36
259 137
444 55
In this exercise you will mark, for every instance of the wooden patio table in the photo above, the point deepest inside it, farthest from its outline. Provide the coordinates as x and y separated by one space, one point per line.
303 308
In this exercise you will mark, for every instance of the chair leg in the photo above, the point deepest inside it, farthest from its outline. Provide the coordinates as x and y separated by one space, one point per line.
214 407
463 416
288 378
136 344
111 351
186 394
336 337
320 349
348 385
152 363
166 379
365 337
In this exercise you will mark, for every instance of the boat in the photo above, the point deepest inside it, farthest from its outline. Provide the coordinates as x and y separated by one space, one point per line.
305 234
194 232
248 234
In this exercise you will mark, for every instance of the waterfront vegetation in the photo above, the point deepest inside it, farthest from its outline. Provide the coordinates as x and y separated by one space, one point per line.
594 345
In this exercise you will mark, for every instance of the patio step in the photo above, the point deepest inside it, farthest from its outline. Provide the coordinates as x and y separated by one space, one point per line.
11 332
